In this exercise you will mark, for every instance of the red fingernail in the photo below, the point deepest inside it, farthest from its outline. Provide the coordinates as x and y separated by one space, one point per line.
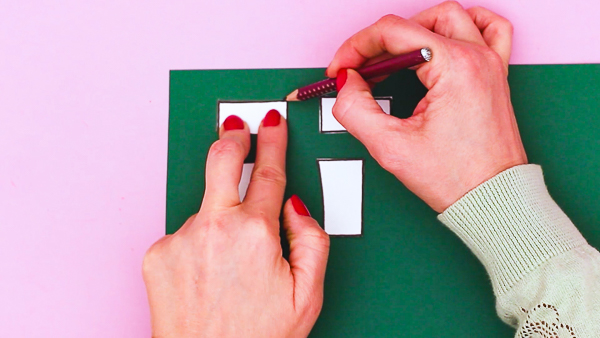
272 118
299 206
233 122
341 78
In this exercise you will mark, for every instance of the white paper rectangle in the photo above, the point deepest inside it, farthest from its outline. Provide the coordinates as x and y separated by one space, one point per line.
342 183
245 180
330 124
251 112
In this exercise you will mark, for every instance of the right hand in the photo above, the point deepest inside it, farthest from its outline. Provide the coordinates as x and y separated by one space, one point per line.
464 131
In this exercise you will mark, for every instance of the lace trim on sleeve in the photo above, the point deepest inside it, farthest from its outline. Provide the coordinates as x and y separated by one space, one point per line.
548 327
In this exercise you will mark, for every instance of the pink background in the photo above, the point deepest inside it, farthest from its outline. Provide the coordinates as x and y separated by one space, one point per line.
83 129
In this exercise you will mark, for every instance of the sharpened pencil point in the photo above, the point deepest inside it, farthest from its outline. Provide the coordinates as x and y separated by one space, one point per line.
293 96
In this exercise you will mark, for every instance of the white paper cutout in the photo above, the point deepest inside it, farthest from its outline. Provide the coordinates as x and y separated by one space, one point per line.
330 124
342 182
251 112
245 180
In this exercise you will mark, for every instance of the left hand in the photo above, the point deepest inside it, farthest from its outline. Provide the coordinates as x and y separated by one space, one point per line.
222 274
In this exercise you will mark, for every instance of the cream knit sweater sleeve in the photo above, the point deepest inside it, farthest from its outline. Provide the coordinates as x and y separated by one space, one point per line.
545 276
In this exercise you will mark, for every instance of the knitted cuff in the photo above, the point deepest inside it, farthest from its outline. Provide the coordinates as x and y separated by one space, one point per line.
512 225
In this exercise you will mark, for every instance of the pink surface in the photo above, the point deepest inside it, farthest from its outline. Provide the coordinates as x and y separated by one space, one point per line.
83 129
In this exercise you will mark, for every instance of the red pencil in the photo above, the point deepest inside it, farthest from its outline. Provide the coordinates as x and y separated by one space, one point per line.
382 68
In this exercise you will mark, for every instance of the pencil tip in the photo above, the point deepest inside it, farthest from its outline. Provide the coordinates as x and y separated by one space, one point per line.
293 96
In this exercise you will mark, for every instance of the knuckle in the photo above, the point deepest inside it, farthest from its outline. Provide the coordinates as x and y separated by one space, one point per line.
353 42
258 228
495 61
257 221
322 239
493 57
269 173
313 310
475 9
153 258
318 236
501 27
314 238
507 25
389 18
226 148
451 6
310 306
448 19
386 21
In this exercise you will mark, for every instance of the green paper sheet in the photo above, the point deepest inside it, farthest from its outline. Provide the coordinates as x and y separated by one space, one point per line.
407 275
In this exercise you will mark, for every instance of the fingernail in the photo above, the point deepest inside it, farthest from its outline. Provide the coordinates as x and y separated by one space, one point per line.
299 206
341 78
233 122
272 118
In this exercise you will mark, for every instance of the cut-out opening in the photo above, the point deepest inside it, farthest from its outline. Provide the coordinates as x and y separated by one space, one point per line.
342 187
252 112
329 124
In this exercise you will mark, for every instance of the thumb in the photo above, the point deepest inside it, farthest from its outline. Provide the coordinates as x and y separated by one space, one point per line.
309 248
356 110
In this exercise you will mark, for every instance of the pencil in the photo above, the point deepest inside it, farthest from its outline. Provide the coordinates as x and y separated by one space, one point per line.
382 68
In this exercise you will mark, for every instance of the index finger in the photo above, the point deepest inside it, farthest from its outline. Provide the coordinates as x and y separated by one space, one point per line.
391 34
224 164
